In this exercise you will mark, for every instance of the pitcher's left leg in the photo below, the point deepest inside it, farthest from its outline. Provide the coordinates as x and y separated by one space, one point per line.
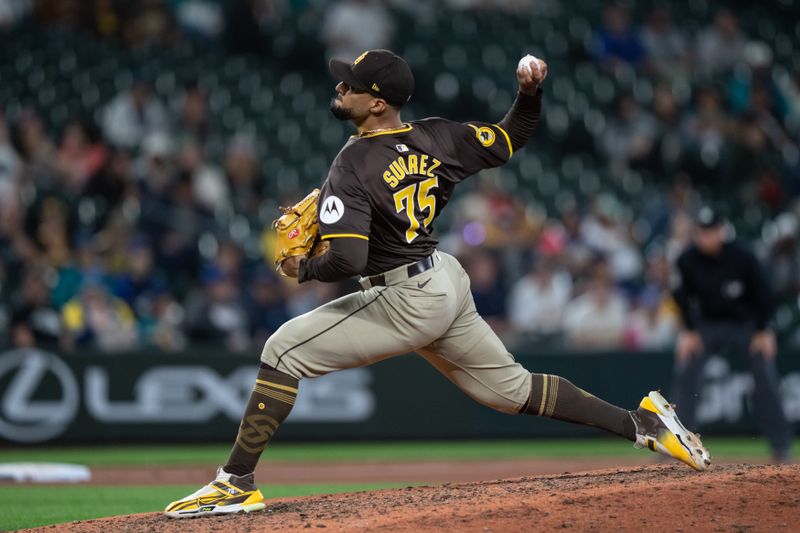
474 358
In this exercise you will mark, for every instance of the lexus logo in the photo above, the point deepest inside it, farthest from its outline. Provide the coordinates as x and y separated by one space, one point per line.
24 373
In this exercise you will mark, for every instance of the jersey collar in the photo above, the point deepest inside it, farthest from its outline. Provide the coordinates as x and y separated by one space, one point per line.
402 129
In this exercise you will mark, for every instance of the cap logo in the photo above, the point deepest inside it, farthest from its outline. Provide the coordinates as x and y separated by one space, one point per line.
376 88
359 58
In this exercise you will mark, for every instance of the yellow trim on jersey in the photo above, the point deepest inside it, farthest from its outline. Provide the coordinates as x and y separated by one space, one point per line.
335 235
406 127
508 140
277 385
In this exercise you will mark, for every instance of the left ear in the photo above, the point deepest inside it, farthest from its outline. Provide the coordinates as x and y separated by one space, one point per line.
378 106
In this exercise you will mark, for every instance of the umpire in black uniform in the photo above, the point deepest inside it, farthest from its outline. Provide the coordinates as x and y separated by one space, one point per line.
726 304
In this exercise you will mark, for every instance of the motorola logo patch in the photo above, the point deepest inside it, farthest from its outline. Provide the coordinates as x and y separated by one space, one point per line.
332 210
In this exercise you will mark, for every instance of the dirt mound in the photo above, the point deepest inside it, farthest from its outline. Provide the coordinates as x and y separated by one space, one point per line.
664 498
410 472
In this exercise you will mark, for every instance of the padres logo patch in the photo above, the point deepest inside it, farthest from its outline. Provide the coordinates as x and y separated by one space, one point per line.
332 210
485 135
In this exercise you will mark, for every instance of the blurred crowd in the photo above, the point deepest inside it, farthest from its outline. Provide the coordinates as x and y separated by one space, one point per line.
108 234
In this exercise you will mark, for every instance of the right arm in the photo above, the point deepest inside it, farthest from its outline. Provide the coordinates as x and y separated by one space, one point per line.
523 116
477 145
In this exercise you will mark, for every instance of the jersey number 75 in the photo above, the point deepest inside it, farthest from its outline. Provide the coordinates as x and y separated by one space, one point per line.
404 199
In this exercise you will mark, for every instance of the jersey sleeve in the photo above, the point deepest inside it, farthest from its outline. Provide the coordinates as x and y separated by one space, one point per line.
344 210
475 145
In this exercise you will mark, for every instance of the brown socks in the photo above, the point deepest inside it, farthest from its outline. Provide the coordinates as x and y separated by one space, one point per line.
555 397
270 403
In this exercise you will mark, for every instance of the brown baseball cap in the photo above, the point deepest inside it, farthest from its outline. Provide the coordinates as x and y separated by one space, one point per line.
382 73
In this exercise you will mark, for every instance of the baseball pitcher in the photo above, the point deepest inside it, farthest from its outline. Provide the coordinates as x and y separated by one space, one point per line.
373 218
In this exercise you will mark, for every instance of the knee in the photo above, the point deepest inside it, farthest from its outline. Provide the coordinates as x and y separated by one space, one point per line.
277 354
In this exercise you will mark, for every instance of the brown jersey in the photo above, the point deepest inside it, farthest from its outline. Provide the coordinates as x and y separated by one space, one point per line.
388 187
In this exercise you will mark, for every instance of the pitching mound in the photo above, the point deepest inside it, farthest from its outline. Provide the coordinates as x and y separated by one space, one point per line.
658 498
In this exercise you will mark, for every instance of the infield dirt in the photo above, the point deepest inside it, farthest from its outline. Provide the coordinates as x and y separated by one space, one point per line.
660 498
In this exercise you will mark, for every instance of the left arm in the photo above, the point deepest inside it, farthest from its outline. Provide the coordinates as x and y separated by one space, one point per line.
344 216
345 258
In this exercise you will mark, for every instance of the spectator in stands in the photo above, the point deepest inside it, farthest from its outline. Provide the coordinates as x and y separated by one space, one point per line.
783 257
37 149
140 282
488 288
155 168
244 176
10 164
617 42
652 325
750 159
208 182
680 235
176 235
162 325
110 187
34 320
789 87
665 45
374 23
578 256
629 138
705 131
668 148
16 247
134 114
720 46
191 120
81 156
266 304
216 313
54 223
606 232
596 318
97 319
537 301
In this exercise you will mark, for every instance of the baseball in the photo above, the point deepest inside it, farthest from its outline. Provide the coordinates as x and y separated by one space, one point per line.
533 63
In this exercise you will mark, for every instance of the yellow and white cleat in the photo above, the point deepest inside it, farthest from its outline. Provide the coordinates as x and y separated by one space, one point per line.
225 495
658 428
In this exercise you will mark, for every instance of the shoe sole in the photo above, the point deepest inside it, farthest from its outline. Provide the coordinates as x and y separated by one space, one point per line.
230 509
682 443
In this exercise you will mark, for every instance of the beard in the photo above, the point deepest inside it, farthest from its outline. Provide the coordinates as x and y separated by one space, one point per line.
340 112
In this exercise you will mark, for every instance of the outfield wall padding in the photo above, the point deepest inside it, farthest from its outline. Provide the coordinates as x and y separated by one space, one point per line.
46 397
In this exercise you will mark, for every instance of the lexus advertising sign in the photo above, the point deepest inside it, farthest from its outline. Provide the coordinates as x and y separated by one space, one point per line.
138 397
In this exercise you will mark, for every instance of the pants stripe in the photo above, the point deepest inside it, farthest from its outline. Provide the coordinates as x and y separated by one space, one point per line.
328 328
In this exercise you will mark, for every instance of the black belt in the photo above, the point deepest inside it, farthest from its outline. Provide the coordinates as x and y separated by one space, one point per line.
379 280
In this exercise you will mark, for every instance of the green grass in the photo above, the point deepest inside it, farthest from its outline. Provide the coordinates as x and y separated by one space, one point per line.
64 504
213 454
